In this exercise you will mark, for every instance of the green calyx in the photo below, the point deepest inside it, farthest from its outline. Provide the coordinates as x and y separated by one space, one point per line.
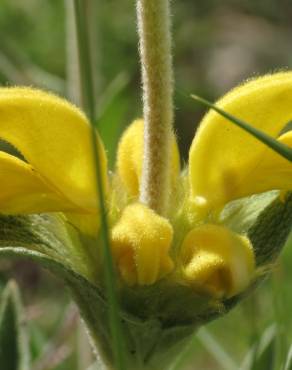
158 320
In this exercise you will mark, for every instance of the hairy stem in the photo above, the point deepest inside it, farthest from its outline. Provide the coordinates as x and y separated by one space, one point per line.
157 77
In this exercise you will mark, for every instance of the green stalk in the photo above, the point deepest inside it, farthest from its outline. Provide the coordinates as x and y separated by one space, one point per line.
73 88
89 103
282 149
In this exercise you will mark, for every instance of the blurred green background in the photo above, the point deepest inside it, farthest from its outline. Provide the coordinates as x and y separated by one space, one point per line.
217 44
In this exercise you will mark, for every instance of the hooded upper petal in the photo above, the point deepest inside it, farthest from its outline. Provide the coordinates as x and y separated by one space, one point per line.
55 138
227 163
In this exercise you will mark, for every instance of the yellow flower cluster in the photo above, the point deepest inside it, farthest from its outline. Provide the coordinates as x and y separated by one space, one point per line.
225 164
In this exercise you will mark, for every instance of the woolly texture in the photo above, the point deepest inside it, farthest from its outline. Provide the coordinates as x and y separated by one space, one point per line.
156 60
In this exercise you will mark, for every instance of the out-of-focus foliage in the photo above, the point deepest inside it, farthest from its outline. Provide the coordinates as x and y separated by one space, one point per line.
216 45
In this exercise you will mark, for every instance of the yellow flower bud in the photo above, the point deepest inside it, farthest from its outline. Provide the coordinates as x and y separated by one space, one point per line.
217 260
140 245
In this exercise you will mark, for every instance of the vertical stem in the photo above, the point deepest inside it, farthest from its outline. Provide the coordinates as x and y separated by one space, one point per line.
92 10
72 63
157 77
89 104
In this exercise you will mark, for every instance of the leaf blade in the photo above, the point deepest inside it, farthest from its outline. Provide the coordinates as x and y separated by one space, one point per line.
14 349
88 95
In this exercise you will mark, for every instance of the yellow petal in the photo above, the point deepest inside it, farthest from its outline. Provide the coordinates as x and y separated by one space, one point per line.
54 137
87 223
217 261
24 191
140 244
130 157
227 163
271 172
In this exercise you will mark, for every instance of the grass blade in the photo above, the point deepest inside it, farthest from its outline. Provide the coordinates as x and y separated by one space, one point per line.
73 88
211 345
266 350
89 103
216 350
288 364
14 349
262 354
272 143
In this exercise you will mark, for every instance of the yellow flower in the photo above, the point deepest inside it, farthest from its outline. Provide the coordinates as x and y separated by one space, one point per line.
54 138
225 163
189 246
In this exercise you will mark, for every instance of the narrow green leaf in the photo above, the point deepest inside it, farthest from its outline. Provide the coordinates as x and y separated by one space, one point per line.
216 350
262 354
272 143
288 363
89 103
14 349
286 128
92 306
186 351
266 351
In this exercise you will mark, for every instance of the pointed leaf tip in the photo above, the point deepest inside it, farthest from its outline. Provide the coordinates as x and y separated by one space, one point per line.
14 350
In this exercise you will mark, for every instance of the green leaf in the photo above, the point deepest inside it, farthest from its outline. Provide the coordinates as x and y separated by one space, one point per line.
284 150
216 350
262 355
265 355
38 340
52 235
54 244
91 304
266 219
286 128
14 349
288 363
211 345
90 108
